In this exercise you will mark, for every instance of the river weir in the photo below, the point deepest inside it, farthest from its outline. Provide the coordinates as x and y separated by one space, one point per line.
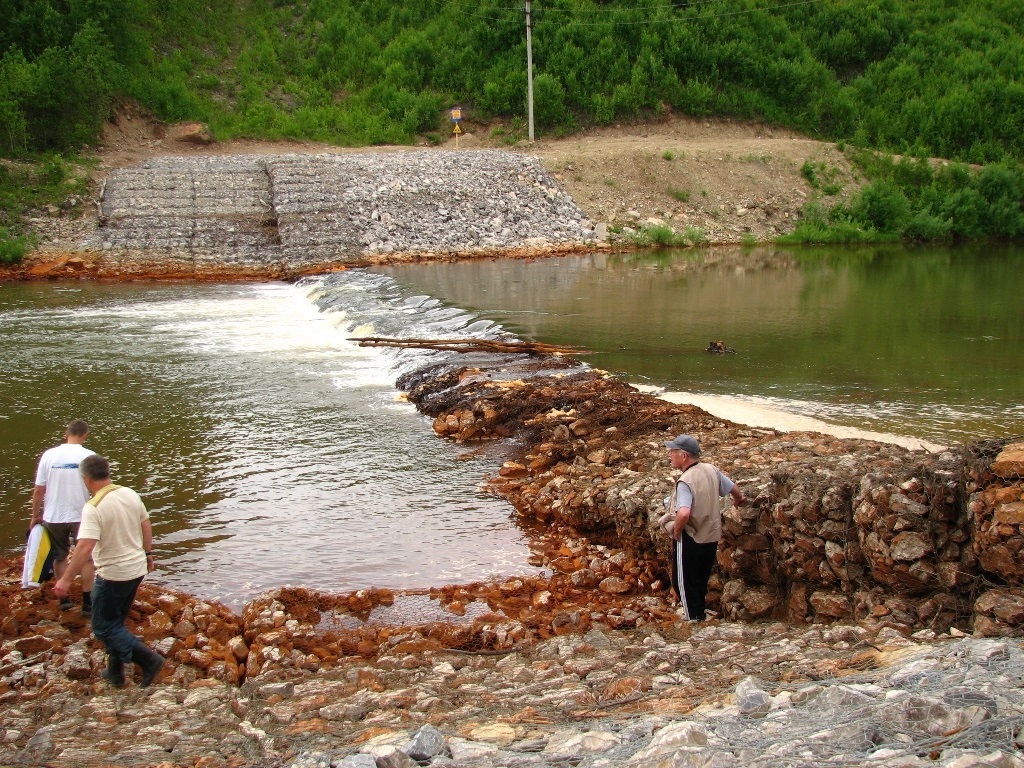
286 215
857 559
269 448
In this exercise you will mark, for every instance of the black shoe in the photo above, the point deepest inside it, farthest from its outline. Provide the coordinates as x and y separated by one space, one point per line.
86 610
149 661
114 673
65 603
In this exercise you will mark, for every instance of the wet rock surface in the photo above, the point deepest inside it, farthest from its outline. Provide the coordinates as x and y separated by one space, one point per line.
843 596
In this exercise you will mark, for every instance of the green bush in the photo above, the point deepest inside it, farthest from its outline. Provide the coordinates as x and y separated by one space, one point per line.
926 226
662 235
549 107
881 206
1002 187
12 247
26 187
913 200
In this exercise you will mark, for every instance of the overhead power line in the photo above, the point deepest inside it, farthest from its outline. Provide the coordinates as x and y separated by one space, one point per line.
591 13
680 19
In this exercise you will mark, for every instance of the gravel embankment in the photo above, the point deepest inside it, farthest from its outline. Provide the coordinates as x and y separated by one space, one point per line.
274 215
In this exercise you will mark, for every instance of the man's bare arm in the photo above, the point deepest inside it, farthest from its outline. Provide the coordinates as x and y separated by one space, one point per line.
38 494
82 555
682 518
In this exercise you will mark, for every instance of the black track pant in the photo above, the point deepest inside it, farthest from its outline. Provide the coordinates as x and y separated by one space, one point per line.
691 571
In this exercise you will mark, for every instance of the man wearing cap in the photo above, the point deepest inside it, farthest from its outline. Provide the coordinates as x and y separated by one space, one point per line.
698 522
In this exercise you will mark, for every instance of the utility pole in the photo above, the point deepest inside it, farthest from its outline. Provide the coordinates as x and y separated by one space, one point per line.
529 71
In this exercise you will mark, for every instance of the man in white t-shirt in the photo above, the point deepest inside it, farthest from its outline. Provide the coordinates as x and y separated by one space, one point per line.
116 534
57 501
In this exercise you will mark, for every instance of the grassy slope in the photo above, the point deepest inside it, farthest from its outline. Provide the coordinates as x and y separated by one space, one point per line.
921 77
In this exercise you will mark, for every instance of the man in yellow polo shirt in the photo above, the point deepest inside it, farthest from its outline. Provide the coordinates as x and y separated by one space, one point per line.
116 534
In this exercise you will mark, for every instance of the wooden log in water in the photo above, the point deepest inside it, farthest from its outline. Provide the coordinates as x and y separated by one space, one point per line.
471 345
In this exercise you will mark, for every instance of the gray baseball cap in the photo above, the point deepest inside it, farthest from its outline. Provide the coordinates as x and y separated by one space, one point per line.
684 443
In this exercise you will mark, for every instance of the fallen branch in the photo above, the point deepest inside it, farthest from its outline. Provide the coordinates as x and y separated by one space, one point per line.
471 345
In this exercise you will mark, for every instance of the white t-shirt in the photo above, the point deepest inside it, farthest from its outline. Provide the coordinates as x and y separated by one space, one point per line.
116 524
65 491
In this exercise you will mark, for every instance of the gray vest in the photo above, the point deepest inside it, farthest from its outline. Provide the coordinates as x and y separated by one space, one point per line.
705 523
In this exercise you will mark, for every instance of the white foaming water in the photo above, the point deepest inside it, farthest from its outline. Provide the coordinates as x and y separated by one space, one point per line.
775 414
268 447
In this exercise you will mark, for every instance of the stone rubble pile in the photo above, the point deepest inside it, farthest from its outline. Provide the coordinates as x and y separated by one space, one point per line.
955 704
714 695
838 529
281 215
995 484
199 639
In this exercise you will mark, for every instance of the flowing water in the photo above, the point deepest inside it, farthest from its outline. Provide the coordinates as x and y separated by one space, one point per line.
269 449
273 451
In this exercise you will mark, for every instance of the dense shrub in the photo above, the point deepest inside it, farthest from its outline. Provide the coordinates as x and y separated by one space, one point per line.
923 77
30 187
916 200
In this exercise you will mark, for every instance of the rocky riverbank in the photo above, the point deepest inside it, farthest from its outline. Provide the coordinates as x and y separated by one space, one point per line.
839 529
850 551
720 694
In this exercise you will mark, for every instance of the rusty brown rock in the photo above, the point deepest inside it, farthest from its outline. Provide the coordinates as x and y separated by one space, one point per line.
614 585
33 644
758 602
1009 513
1009 464
831 605
909 547
190 133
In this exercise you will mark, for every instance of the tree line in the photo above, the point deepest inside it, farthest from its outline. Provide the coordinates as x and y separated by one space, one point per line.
915 77
910 76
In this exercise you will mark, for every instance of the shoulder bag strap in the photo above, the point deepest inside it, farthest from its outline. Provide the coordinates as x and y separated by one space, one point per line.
101 494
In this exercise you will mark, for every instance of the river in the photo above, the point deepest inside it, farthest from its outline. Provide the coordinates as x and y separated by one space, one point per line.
271 450
923 342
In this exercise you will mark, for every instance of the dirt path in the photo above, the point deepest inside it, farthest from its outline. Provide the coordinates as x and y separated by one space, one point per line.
725 178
